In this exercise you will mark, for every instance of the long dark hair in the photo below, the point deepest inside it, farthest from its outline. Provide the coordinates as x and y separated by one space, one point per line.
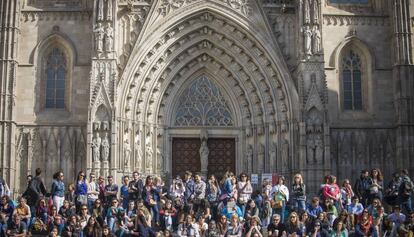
77 177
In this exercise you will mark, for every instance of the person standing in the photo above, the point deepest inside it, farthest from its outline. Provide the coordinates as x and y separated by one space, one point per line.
81 191
244 191
35 190
298 193
93 191
199 191
150 196
58 190
376 185
361 187
280 196
135 187
125 192
405 192
111 190
189 189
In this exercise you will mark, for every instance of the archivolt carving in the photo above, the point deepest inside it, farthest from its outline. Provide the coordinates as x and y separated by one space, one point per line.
194 40
130 25
168 6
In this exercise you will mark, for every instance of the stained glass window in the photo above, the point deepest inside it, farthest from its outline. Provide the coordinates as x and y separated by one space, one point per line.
55 79
202 104
352 81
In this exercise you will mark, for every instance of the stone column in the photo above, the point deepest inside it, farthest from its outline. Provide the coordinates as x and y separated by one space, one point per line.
9 32
313 127
103 77
403 74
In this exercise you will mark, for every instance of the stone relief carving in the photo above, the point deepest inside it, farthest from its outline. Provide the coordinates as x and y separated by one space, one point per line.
138 151
316 40
99 36
260 158
160 159
96 147
249 158
168 6
285 154
127 153
307 36
148 154
109 38
353 150
273 155
105 146
204 152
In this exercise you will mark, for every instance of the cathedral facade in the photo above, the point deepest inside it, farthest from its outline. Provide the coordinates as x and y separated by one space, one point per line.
164 86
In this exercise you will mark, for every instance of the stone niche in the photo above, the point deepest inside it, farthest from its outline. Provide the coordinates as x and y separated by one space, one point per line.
54 3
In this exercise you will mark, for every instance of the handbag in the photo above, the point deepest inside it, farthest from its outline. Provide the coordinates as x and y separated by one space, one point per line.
152 202
277 201
82 199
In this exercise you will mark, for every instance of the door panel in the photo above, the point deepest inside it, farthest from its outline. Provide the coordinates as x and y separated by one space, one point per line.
186 156
222 156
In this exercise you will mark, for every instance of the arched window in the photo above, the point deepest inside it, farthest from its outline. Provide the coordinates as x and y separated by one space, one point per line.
352 81
55 73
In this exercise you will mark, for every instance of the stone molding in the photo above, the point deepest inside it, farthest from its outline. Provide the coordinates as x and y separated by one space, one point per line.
347 20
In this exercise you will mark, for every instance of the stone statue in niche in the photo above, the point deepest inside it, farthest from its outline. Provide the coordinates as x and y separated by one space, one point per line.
127 153
310 149
285 154
249 158
105 148
307 36
109 34
306 12
99 36
204 152
261 158
316 39
96 146
318 149
273 152
138 152
148 154
160 158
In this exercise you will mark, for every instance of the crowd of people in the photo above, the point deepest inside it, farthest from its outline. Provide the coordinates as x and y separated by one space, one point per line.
194 206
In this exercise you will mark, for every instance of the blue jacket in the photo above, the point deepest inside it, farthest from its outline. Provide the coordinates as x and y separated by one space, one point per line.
58 189
189 189
228 214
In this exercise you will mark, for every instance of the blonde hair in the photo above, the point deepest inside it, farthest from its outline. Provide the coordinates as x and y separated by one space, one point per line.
298 176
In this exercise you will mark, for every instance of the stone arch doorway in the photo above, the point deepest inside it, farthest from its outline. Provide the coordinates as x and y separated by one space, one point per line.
203 129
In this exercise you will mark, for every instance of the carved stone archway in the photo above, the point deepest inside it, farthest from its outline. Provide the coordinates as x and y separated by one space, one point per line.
262 94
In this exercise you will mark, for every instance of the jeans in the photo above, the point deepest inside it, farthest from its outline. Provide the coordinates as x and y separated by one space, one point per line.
299 205
58 202
111 223
281 212
406 205
91 202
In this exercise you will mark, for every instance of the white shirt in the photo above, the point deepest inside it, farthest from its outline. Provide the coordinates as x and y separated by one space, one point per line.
280 188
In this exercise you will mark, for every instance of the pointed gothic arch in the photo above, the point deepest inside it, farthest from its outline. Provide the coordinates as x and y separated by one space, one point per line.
252 73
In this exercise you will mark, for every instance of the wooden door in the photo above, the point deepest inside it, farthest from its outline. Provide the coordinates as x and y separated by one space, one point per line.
222 156
185 156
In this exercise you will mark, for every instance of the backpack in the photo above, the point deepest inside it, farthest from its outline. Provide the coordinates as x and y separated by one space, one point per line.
408 187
